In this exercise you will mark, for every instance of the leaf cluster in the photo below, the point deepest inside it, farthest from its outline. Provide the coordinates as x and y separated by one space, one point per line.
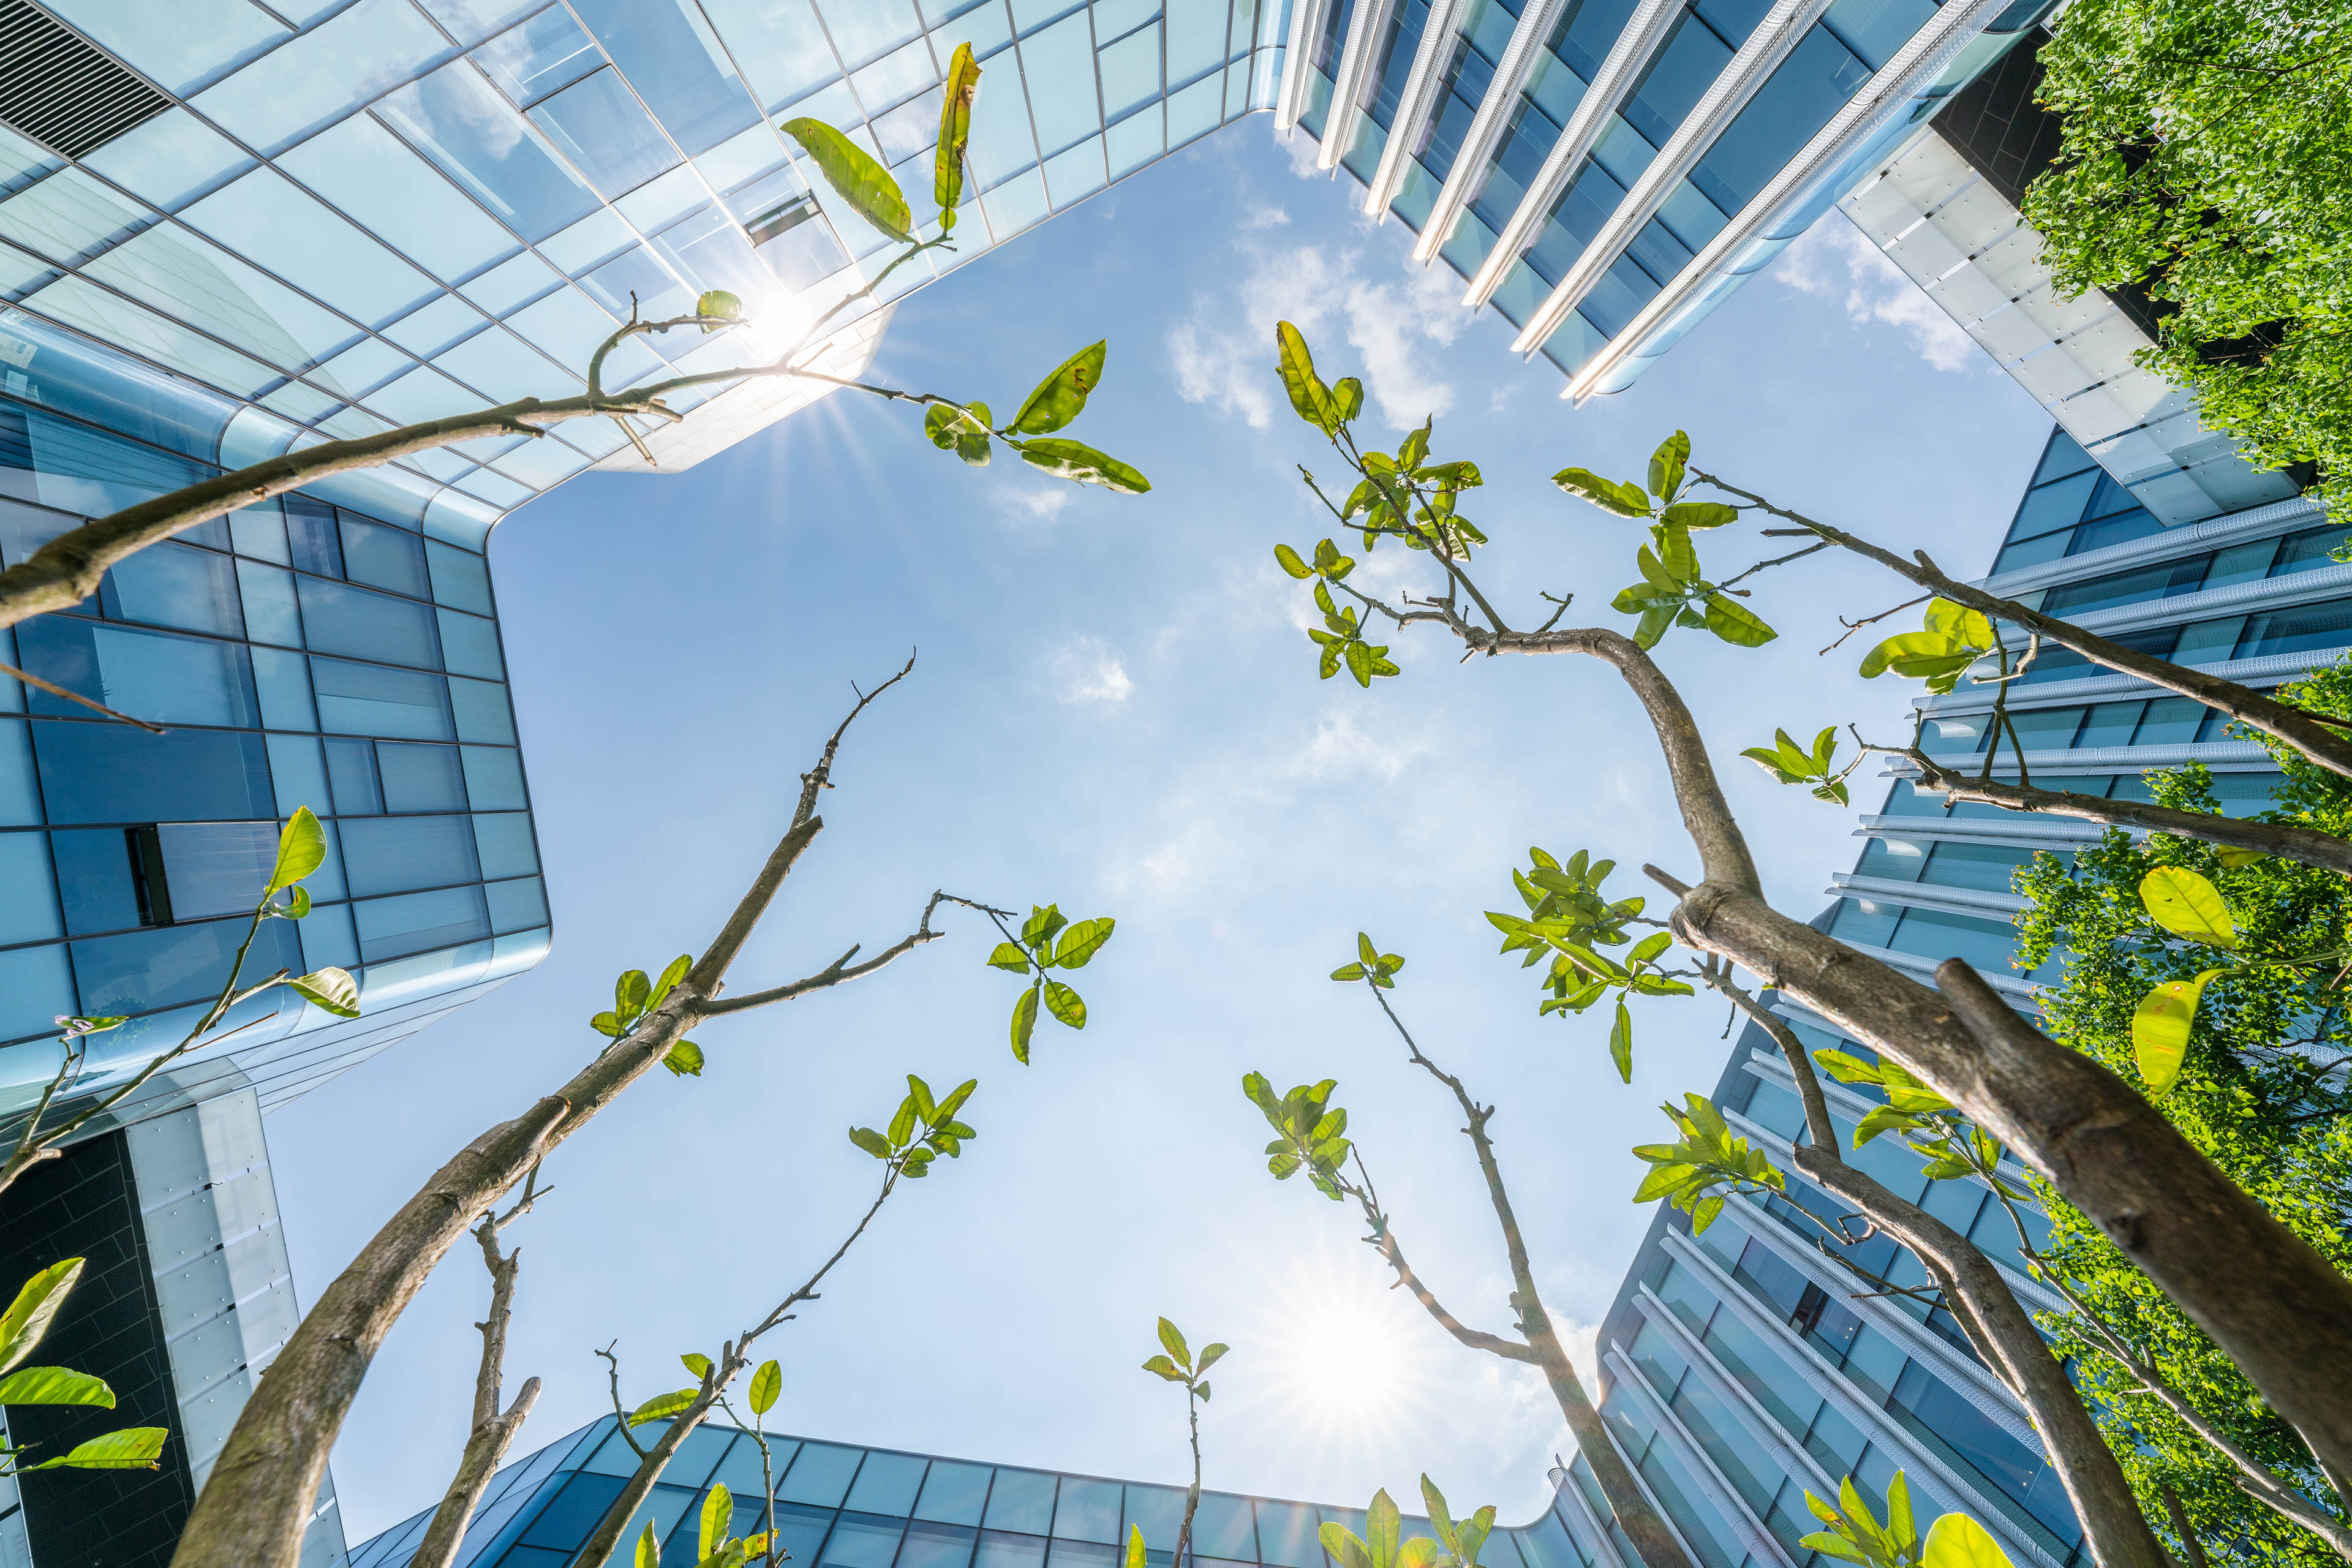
1931 1126
715 1547
1674 591
1570 920
1341 636
1175 1363
1049 941
22 1328
1456 1545
1791 764
1371 965
1310 1133
1953 637
634 997
1856 1535
1708 1162
923 1130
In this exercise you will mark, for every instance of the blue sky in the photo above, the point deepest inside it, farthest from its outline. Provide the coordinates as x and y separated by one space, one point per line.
1116 708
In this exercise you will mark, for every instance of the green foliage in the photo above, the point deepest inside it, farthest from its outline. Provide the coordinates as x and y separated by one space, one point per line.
2253 1088
1381 1545
1372 964
22 1328
1341 638
1931 1126
634 996
955 131
301 849
1569 921
1954 638
960 428
1856 1535
2206 152
1048 941
717 309
767 1383
921 1131
1310 1133
1791 764
1709 1160
1175 1363
855 176
1673 591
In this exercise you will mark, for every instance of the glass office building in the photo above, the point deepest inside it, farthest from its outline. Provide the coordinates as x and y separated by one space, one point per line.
843 1507
1604 173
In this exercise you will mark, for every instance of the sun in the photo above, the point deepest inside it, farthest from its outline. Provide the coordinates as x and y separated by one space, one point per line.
1344 1360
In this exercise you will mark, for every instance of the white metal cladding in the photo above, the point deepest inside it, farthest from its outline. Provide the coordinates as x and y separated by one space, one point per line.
1365 29
1602 99
1416 102
1486 127
1695 1463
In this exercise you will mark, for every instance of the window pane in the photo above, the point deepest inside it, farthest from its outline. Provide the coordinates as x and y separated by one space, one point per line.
1003 1549
265 215
474 136
172 585
503 844
1023 1500
313 538
953 1493
142 970
674 61
938 1545
547 52
216 868
367 625
417 923
96 869
398 854
382 557
460 578
352 766
316 79
887 1484
154 676
494 781
603 129
28 905
519 906
1287 1535
1221 1527
821 1474
369 699
418 778
863 1541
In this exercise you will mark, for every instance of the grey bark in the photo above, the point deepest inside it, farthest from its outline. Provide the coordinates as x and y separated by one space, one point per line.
2004 1335
253 1511
2328 748
493 1430
2286 840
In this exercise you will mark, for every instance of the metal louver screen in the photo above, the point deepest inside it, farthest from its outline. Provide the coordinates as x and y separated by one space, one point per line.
61 91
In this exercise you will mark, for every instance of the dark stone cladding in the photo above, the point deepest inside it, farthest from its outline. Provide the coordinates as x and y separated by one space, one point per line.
85 1205
1997 124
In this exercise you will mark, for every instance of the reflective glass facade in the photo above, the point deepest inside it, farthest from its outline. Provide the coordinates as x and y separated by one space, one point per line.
1603 173
844 1507
1743 1365
351 215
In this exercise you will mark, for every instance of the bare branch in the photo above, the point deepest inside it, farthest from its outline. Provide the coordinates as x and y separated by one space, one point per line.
54 689
494 1430
841 970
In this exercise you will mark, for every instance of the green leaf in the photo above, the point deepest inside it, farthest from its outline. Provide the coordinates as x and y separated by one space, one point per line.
1064 1004
298 904
954 1103
1077 461
35 1306
1650 946
1008 955
919 1092
662 1406
1290 562
678 971
1666 465
1625 501
1621 1042
54 1385
2232 857
718 1513
684 1059
1348 972
1082 941
1345 1549
1901 1530
1699 514
1043 922
1733 622
697 1363
1308 396
608 1024
1359 662
2160 1027
1382 1525
1347 397
902 1125
1963 626
1172 1340
718 304
1062 396
1163 1367
1955 1540
131 1448
331 990
766 1385
873 1143
301 849
855 176
648 1548
2186 904
1024 1024
630 992
1881 1118
955 131
1135 1553
1210 1354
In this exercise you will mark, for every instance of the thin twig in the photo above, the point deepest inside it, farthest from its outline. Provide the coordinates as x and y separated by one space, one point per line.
54 689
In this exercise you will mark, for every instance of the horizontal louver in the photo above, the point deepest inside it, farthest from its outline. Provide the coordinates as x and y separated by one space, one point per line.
58 89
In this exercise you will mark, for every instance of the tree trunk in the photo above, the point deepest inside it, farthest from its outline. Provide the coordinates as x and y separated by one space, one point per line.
598 1549
253 1511
2272 1303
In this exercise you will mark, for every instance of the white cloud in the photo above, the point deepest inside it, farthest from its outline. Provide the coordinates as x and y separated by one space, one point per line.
1263 216
1340 748
1300 149
1225 352
1089 670
1834 256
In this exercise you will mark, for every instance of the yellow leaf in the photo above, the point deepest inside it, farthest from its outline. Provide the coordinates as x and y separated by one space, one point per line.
2160 1028
1955 1540
2186 904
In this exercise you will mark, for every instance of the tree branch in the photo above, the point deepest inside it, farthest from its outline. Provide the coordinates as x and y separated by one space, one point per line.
841 970
494 1430
2314 740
